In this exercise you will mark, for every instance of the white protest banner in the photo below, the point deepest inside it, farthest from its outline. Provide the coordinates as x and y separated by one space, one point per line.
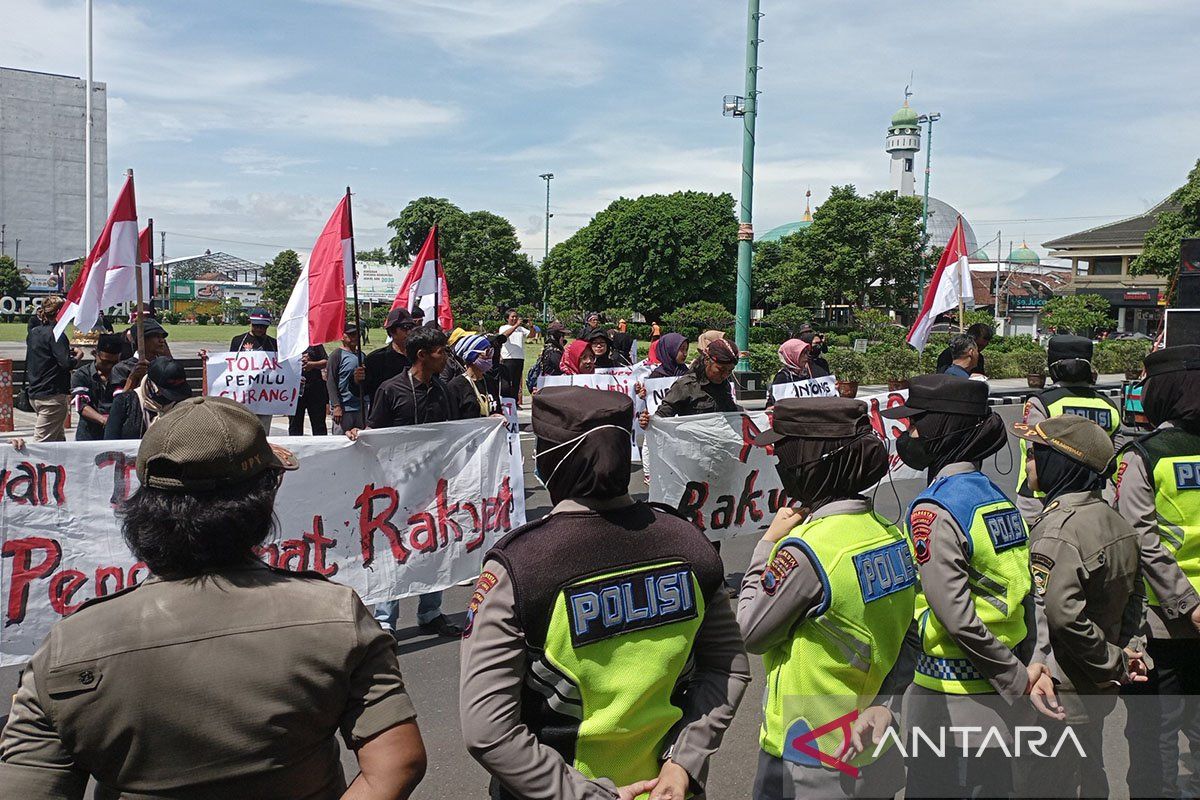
516 458
401 511
618 379
708 467
815 387
255 378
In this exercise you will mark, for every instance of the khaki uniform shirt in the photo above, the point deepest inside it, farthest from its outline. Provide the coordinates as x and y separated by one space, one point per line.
1084 558
229 685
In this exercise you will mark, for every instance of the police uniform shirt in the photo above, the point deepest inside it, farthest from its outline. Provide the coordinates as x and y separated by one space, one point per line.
231 686
1135 502
494 664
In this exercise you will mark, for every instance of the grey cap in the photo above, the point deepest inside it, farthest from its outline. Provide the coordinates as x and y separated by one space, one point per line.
1074 436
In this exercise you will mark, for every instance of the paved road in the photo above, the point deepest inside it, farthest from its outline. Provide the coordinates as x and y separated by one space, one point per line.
430 668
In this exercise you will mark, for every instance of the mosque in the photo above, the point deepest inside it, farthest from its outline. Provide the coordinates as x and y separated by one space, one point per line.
903 142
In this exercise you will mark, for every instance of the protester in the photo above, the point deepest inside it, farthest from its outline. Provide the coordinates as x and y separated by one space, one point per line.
129 338
601 345
218 675
1156 483
551 356
92 391
49 360
314 395
972 558
416 396
796 357
1084 558
816 343
558 702
345 375
128 373
256 338
705 388
672 353
512 355
982 334
392 359
590 323
133 413
578 359
468 392
1069 359
964 355
454 365
621 351
804 583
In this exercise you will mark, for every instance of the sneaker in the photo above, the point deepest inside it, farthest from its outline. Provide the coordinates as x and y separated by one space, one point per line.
441 626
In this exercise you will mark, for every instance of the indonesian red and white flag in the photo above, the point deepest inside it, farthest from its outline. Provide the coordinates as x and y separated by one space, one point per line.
316 311
120 285
951 284
115 251
425 285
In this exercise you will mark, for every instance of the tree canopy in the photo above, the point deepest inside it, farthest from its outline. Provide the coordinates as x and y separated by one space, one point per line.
12 283
1076 313
1160 254
481 254
279 278
857 248
653 254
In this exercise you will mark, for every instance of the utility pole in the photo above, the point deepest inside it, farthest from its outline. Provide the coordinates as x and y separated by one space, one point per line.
2 251
928 119
749 112
17 257
547 177
162 263
999 319
87 138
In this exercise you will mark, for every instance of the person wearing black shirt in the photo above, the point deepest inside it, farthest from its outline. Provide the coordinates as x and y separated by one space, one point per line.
128 373
470 395
601 344
391 359
256 338
816 344
314 395
416 396
982 334
48 364
92 389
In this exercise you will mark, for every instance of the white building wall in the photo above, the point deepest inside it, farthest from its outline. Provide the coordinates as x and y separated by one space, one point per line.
42 165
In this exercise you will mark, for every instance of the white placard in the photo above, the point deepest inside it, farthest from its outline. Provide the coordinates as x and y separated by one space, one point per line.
255 378
815 387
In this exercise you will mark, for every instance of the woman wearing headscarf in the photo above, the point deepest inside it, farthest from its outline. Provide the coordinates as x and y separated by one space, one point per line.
133 412
705 387
1158 491
975 613
805 594
795 356
578 359
671 352
1084 560
470 396
601 344
551 356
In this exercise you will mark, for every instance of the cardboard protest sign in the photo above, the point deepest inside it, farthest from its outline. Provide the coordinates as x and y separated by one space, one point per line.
255 378
814 387
708 467
656 390
401 511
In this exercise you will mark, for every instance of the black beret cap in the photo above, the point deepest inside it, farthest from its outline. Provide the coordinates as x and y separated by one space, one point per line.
947 394
1173 359
1061 347
815 418
562 413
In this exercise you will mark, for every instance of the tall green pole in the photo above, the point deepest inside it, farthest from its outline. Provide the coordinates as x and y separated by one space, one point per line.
746 216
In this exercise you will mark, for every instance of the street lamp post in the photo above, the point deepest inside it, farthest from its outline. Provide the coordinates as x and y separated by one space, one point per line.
747 108
927 120
547 177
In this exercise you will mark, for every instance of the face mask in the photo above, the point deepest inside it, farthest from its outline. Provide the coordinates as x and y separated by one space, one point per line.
913 451
817 349
484 364
578 440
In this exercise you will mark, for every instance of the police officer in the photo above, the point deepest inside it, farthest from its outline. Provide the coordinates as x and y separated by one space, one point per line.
827 599
1157 479
1070 363
217 676
974 612
1084 559
601 658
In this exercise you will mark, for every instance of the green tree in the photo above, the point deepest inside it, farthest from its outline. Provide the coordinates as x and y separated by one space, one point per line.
414 222
1160 252
1076 313
653 254
378 255
12 284
279 278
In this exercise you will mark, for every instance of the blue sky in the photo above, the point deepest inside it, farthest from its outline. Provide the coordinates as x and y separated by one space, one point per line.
245 121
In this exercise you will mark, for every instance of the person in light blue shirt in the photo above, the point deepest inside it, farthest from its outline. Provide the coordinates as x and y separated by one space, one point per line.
344 375
964 355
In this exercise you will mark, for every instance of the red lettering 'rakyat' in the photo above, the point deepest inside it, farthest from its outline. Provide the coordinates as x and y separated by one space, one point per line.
749 432
447 526
320 546
369 522
25 572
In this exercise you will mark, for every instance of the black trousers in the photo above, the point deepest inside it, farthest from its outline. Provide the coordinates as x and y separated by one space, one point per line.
312 403
1156 712
511 374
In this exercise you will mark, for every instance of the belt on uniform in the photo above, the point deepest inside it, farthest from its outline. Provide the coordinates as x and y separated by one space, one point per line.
948 669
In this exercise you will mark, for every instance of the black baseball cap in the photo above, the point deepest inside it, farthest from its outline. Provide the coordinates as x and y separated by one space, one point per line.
814 418
1060 348
206 443
169 376
1180 358
398 317
562 413
947 394
150 327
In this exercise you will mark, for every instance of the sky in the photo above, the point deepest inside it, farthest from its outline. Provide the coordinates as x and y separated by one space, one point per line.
245 121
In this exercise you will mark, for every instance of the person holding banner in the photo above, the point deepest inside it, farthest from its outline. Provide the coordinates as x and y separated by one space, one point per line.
469 394
671 352
975 610
218 675
133 413
796 357
830 572
600 342
601 658
705 388
578 359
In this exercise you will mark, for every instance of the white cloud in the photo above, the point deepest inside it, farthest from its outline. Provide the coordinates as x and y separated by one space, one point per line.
252 161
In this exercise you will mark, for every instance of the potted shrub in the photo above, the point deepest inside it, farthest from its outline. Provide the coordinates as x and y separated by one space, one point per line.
1032 364
1128 355
849 367
894 365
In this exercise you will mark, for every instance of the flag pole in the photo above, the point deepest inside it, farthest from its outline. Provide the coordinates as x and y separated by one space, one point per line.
437 278
354 280
149 257
137 277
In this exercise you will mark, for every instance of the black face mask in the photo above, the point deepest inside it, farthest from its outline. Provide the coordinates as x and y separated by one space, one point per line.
817 348
913 452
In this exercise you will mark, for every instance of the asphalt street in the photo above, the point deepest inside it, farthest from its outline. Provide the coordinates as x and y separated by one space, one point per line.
431 665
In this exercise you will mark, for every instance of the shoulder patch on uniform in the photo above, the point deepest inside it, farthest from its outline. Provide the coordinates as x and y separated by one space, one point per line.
920 525
487 581
782 565
1122 465
1040 565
